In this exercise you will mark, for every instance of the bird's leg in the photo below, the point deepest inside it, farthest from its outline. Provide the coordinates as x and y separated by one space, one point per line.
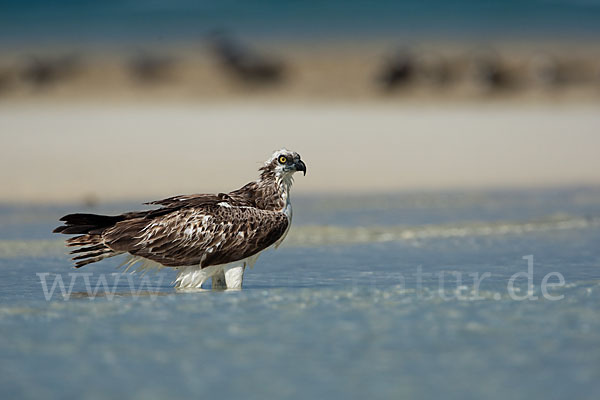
234 276
218 280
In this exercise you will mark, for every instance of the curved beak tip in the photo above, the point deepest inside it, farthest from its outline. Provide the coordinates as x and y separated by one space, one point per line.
300 166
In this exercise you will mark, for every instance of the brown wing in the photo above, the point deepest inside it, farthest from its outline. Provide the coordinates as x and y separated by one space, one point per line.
207 235
240 197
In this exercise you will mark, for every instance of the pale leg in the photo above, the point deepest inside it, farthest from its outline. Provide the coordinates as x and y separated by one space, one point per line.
234 276
218 280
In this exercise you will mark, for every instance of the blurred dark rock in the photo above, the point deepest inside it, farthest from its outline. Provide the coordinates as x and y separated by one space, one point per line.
41 72
490 72
244 63
149 68
398 71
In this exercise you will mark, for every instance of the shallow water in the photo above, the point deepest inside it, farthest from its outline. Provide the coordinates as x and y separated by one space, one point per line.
159 20
371 297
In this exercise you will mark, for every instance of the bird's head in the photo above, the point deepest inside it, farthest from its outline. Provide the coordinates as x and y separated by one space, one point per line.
282 164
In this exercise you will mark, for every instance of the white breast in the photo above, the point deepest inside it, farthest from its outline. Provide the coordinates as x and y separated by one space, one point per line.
287 210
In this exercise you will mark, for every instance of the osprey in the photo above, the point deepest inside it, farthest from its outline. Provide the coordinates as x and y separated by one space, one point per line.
202 235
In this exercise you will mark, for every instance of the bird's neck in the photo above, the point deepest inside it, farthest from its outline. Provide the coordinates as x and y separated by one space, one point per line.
273 192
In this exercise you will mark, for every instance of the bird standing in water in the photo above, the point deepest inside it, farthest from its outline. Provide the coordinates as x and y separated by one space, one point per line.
202 235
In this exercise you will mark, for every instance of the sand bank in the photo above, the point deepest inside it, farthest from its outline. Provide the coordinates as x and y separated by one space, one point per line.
73 151
339 71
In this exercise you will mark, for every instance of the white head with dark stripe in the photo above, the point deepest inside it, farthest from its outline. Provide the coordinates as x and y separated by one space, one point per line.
282 165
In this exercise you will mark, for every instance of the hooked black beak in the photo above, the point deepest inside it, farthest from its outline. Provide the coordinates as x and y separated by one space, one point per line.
300 166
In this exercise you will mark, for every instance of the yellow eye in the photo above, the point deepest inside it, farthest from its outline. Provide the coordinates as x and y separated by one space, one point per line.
282 159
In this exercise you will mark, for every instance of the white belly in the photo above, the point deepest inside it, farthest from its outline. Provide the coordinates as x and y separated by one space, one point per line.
193 277
288 213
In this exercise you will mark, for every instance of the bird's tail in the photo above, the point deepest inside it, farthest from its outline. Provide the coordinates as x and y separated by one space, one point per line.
90 228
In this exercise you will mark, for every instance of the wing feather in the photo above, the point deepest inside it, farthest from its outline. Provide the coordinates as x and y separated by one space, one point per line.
202 235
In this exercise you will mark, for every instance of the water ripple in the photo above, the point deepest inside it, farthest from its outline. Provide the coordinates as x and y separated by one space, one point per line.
317 235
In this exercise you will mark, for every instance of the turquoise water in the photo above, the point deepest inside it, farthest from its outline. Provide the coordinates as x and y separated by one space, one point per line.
114 21
350 307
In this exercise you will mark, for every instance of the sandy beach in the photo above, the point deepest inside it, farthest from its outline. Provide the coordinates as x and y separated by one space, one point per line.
97 151
85 127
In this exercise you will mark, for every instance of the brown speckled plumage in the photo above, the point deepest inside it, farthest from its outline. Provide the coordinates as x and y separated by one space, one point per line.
200 229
